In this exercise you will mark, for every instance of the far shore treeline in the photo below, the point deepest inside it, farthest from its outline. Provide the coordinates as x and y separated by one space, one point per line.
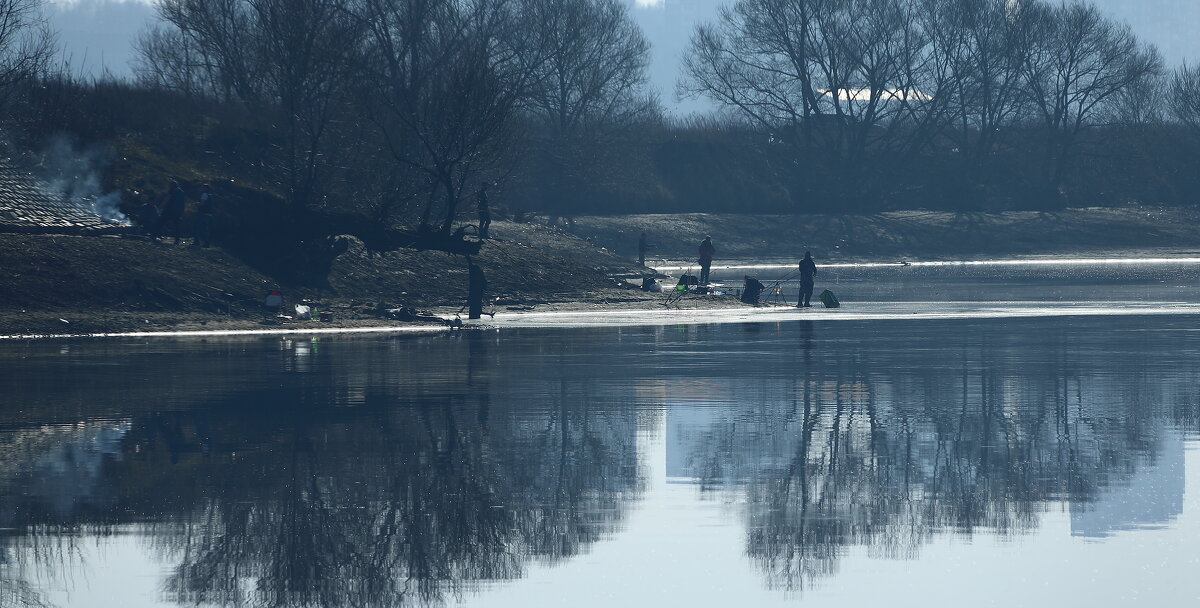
393 112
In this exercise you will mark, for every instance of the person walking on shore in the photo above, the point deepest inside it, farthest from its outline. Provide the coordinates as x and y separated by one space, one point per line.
485 212
808 272
706 258
643 246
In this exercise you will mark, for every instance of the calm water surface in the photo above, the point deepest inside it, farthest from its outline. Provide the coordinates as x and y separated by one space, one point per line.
1008 462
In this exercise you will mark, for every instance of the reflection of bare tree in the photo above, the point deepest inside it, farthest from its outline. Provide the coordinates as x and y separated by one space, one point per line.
358 482
402 508
886 454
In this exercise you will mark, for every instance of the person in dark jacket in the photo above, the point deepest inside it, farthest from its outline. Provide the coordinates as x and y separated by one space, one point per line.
643 246
172 215
808 273
706 258
484 209
751 290
476 285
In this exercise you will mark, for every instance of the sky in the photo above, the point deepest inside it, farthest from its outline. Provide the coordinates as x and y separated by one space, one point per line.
97 34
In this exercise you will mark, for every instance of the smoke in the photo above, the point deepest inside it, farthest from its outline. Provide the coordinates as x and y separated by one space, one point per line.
75 173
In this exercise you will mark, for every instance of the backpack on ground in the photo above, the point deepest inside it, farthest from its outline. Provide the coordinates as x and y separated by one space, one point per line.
829 300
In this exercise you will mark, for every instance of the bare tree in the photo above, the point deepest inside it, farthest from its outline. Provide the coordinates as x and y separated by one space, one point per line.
980 42
447 78
221 32
167 59
289 61
849 80
1078 61
26 43
1183 97
593 60
589 92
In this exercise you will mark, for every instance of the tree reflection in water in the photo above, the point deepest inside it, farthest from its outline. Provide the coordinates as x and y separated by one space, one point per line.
882 448
405 471
390 480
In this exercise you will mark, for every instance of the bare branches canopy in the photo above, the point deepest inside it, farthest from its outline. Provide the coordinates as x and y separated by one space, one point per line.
434 94
849 81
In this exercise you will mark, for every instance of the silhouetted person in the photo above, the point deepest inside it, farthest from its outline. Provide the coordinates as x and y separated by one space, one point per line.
643 246
172 215
752 290
706 258
476 284
485 212
808 273
204 216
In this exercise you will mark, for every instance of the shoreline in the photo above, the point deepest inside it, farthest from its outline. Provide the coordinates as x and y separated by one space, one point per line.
77 287
1187 257
716 313
612 308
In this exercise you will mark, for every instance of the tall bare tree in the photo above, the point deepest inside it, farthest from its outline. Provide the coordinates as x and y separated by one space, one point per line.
289 61
589 93
1078 61
980 42
847 80
1183 97
448 77
593 60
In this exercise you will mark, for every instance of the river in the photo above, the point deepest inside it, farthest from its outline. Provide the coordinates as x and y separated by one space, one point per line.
795 458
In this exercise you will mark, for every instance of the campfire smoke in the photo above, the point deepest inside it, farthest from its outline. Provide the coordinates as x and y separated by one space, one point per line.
74 173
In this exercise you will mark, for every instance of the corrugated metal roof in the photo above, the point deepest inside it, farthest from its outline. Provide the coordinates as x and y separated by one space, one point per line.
28 205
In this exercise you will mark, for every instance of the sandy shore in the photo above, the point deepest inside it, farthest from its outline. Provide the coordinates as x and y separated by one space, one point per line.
346 319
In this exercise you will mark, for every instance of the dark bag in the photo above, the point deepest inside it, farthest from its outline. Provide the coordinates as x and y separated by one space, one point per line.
829 300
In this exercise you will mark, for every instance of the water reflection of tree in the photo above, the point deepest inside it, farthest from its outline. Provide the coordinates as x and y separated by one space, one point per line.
421 501
885 454
394 479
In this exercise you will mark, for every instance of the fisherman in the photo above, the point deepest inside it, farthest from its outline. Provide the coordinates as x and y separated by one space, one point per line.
485 212
643 246
808 271
204 216
172 214
706 258
476 284
751 290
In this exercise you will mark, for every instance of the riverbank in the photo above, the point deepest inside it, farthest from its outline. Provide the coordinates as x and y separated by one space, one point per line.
75 285
84 285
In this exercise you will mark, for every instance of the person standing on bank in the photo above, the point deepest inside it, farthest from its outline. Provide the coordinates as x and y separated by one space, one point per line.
643 246
485 212
706 258
808 272
172 215
204 217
